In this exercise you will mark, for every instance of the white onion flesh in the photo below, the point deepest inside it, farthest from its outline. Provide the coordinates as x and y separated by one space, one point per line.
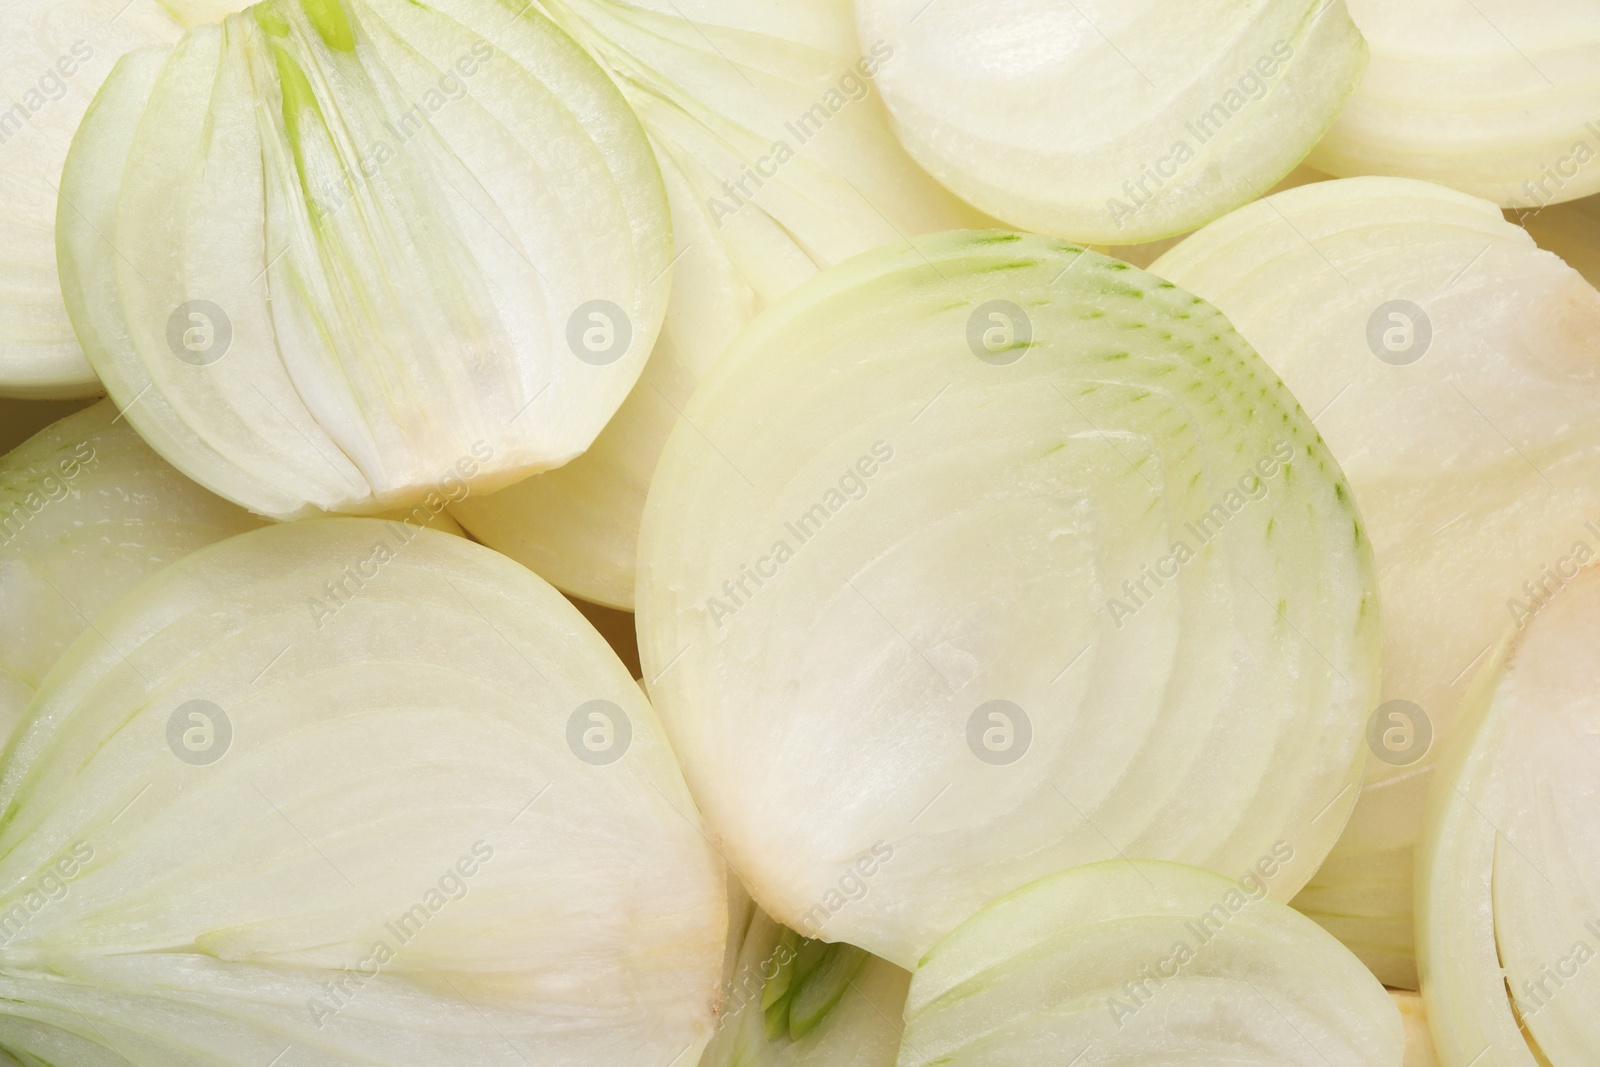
1134 962
87 511
788 1001
1507 868
1496 98
973 521
1113 121
405 763
327 253
776 101
53 56
1476 464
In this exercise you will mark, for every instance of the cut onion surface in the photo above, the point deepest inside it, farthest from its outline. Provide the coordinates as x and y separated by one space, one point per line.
789 1001
87 511
327 252
1509 865
938 512
778 160
351 792
1496 98
1112 121
1133 962
1452 369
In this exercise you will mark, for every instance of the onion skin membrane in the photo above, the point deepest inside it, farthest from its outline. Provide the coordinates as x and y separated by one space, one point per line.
959 530
1505 896
393 835
778 161
354 244
1113 122
1494 98
1131 961
87 512
1473 448
789 1001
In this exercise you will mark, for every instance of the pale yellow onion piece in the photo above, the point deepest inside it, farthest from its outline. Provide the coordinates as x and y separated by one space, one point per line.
1496 98
1507 865
1473 446
777 101
850 1004
53 56
1135 962
1113 121
357 244
87 511
420 814
863 533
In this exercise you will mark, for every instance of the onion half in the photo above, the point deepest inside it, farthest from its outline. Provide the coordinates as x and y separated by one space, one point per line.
1452 368
1113 121
1493 97
326 252
349 792
921 527
1506 900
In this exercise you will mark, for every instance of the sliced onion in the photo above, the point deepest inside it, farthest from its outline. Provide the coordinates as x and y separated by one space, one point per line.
1507 899
469 269
1114 121
1452 368
1495 98
312 740
970 524
87 512
771 96
1134 962
788 1001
